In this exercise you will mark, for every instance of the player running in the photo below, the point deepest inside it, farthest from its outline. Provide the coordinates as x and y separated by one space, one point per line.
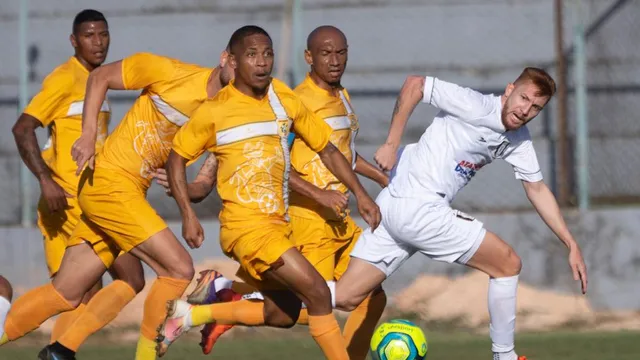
321 229
246 125
469 132
58 106
116 214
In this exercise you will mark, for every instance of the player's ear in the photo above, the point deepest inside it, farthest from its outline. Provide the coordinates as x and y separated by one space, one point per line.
231 60
307 57
73 41
224 58
509 89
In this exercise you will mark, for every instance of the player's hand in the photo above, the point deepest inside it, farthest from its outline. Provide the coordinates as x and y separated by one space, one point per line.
192 231
83 152
163 180
54 195
334 200
579 269
385 156
369 211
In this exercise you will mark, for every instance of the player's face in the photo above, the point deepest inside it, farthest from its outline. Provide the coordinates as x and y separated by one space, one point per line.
522 105
91 42
328 59
253 62
226 71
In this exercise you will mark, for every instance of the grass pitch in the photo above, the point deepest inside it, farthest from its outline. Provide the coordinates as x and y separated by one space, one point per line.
450 346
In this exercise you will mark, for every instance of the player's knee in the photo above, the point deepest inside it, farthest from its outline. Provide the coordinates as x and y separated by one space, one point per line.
512 264
318 293
347 304
183 270
6 290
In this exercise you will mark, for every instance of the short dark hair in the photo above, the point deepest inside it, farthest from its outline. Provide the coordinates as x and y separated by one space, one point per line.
239 35
87 15
540 78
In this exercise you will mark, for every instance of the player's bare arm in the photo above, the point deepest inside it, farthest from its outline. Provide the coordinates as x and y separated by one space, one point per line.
24 133
365 168
100 80
409 97
201 186
176 170
332 199
333 159
546 205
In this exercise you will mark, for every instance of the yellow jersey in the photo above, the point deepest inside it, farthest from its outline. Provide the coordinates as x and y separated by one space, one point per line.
249 138
58 106
337 112
171 91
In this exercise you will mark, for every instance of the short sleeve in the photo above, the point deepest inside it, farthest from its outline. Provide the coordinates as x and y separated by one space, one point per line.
196 135
459 101
142 70
52 100
310 128
524 161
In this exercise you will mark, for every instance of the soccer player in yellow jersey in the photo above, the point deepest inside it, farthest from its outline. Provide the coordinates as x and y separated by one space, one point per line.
246 126
321 230
116 214
58 106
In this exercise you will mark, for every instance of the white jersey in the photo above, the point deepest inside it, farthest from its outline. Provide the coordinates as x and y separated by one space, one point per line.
466 135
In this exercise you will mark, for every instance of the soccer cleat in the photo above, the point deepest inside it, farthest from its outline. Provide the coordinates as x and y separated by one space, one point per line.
175 324
48 353
211 332
522 358
205 291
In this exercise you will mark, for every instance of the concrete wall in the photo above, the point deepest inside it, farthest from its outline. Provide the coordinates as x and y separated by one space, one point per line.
608 238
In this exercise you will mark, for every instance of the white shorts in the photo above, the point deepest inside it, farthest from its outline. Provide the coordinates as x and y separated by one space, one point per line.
410 225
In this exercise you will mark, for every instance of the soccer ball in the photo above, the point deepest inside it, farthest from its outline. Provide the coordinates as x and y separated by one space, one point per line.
398 340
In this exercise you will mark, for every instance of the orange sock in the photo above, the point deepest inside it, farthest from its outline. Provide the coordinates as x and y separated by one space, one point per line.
326 333
155 311
303 319
64 322
362 323
32 309
243 312
103 307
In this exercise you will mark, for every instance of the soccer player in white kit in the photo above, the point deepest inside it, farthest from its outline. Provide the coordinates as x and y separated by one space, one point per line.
469 132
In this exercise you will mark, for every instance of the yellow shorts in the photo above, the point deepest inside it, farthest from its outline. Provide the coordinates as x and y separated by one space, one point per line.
115 214
257 249
56 231
326 244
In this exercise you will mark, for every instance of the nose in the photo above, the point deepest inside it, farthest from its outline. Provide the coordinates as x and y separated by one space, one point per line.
261 60
97 40
333 60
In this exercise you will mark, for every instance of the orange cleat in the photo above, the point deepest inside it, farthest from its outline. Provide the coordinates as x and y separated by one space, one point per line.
211 332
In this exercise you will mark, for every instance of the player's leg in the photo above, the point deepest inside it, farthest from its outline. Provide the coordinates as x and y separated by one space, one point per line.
66 319
174 267
362 321
6 294
81 268
105 306
498 260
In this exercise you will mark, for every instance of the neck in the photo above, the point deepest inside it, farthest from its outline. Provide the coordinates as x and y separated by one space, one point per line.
331 88
85 64
213 83
256 93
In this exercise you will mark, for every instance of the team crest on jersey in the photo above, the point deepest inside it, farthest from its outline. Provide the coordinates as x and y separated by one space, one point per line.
284 127
499 150
353 122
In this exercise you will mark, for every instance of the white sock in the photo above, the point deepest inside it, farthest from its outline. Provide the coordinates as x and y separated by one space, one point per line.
222 283
502 315
5 305
332 289
256 295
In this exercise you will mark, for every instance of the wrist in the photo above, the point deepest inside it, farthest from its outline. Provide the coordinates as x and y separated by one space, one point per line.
44 177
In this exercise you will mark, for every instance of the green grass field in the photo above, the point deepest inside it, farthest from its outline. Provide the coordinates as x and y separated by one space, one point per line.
544 346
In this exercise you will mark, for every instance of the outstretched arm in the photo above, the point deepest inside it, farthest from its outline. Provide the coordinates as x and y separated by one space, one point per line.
547 207
409 97
365 168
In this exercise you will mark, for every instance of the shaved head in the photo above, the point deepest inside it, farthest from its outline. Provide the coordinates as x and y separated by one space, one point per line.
321 33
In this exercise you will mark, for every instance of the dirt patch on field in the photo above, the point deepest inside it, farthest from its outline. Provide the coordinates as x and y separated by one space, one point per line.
459 302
